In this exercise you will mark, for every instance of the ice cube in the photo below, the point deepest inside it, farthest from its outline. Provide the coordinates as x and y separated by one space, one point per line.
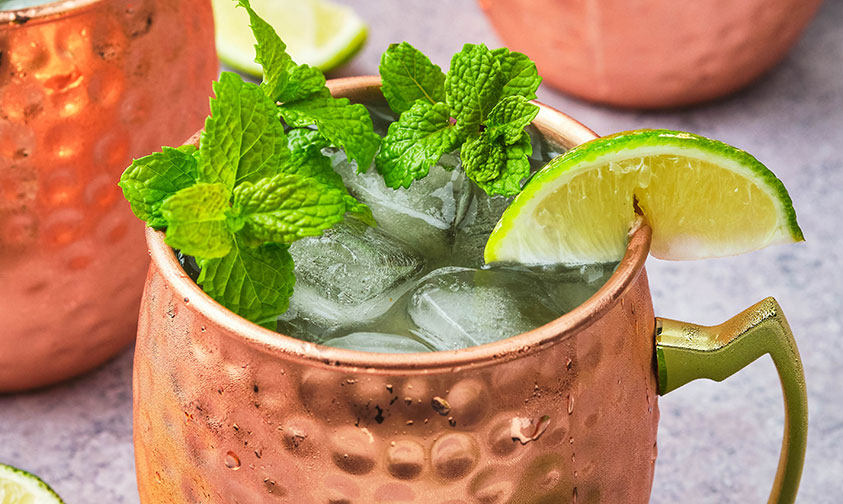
378 342
567 286
478 215
346 277
455 307
422 215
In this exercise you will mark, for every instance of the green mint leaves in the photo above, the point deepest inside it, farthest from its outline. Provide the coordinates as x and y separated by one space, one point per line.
304 100
415 142
408 75
243 139
284 208
152 179
259 180
343 124
196 220
481 104
254 282
252 188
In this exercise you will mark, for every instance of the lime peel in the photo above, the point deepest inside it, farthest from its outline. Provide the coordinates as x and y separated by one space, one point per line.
703 198
18 486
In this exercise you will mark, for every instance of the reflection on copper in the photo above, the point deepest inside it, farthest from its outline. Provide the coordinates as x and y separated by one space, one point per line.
72 258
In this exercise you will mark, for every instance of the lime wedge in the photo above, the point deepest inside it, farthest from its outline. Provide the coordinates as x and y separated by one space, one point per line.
702 198
318 33
20 487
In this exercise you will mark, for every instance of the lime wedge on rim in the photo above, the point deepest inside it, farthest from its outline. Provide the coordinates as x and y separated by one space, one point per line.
702 198
20 487
318 33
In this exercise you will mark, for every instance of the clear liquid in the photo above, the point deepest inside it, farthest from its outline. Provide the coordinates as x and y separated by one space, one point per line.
22 4
417 282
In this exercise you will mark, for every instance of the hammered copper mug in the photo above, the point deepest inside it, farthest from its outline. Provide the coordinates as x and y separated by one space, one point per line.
85 85
228 412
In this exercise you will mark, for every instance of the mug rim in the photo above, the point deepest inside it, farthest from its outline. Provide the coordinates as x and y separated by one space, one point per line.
164 258
40 12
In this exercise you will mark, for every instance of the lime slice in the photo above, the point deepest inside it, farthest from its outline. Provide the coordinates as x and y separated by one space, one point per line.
319 33
702 198
20 487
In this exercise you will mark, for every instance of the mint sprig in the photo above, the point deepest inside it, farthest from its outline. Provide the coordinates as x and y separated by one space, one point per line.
152 179
243 141
408 75
304 100
252 188
480 106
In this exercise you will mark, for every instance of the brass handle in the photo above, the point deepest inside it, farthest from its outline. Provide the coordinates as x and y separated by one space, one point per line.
686 352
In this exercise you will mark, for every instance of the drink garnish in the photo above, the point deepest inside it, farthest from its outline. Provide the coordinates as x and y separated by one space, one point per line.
702 198
480 107
251 189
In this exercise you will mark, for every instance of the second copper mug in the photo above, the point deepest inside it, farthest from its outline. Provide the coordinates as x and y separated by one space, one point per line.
228 412
85 86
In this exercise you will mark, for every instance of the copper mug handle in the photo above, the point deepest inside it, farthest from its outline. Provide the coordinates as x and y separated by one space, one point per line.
686 352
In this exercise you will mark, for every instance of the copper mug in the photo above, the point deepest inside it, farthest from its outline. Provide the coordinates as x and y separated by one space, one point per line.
228 412
651 53
82 90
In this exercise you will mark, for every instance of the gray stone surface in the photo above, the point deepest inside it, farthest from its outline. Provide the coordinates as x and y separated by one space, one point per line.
718 442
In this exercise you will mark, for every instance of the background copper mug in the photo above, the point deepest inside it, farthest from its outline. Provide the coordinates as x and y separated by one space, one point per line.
85 85
226 411
650 53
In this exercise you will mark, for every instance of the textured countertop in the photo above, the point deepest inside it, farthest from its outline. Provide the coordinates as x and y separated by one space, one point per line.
718 443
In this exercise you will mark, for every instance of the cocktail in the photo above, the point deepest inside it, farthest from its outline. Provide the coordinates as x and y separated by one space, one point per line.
419 372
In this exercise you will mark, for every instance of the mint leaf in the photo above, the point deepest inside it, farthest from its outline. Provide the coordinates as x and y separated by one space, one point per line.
509 118
344 124
253 282
196 220
520 76
286 207
307 160
271 53
473 85
415 142
304 141
494 166
243 139
303 82
152 179
408 75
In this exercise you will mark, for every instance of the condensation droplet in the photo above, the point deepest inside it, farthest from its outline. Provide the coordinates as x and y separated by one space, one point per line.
574 496
232 461
570 404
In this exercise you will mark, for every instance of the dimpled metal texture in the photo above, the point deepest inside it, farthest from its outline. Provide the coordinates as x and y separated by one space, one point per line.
685 52
85 86
228 412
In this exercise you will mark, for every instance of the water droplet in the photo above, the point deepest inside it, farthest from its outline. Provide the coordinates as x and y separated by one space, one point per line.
574 496
158 478
232 461
527 429
569 363
570 404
